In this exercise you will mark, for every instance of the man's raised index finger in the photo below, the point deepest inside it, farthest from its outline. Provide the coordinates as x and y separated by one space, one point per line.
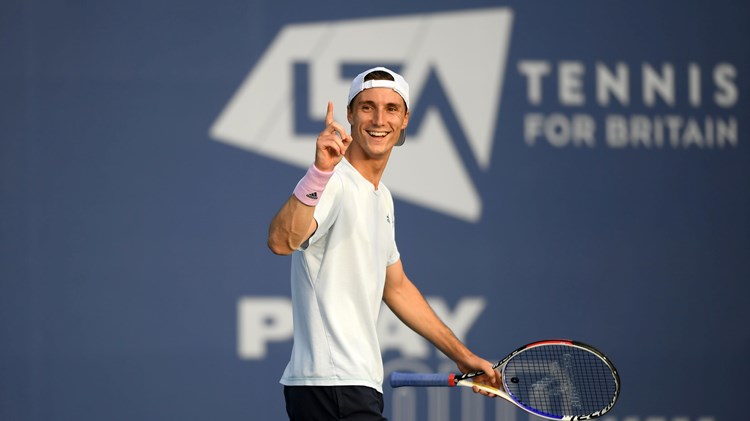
329 114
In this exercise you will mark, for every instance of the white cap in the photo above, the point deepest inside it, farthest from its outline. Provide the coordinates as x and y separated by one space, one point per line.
398 84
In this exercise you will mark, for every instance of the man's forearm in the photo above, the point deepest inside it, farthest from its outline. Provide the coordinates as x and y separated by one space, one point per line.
408 304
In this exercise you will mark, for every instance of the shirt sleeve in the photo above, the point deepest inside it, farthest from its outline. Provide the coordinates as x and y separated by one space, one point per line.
395 255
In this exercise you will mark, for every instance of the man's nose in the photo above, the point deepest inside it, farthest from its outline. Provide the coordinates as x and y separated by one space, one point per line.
378 117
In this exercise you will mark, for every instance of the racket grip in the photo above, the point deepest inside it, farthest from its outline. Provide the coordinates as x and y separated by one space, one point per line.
399 379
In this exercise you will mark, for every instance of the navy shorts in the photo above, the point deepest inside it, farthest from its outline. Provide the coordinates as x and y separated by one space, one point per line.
324 403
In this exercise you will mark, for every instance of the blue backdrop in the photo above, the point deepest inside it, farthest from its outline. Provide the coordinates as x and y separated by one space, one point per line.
573 169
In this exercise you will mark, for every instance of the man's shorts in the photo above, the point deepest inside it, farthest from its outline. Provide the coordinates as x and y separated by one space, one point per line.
324 403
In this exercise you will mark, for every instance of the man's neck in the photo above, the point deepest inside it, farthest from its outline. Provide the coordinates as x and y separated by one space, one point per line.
371 169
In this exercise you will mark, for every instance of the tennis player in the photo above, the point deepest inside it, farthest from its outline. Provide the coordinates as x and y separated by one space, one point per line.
338 225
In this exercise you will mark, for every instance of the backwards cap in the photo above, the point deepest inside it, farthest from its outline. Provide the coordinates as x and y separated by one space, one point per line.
398 84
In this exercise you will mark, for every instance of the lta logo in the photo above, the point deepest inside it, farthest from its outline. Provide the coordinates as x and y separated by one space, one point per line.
454 63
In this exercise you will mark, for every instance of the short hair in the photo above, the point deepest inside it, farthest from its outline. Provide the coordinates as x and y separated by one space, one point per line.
379 75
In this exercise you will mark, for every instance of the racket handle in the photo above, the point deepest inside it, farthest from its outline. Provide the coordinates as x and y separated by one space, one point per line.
399 379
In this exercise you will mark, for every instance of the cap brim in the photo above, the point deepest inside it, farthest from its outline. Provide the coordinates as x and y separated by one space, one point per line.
401 138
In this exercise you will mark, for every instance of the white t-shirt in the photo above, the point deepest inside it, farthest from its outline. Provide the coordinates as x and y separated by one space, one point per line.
337 285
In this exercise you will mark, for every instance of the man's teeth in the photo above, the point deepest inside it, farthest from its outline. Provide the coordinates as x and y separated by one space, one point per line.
377 134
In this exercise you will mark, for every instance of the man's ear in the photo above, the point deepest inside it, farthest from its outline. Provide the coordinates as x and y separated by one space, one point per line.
406 121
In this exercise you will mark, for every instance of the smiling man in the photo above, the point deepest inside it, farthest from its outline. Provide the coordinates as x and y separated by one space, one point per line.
339 227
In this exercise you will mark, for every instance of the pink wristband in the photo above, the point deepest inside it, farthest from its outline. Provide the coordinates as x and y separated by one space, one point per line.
310 187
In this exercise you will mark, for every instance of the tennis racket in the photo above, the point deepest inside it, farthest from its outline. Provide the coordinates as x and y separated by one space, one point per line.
554 379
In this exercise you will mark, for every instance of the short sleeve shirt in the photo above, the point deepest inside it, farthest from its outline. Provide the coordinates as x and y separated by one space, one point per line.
337 283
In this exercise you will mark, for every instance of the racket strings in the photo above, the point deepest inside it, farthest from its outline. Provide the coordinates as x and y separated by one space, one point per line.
560 380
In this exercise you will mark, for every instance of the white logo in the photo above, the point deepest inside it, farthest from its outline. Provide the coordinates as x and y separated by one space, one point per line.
262 321
454 62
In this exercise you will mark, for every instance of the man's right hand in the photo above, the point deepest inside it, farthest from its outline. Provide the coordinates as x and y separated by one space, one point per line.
332 143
